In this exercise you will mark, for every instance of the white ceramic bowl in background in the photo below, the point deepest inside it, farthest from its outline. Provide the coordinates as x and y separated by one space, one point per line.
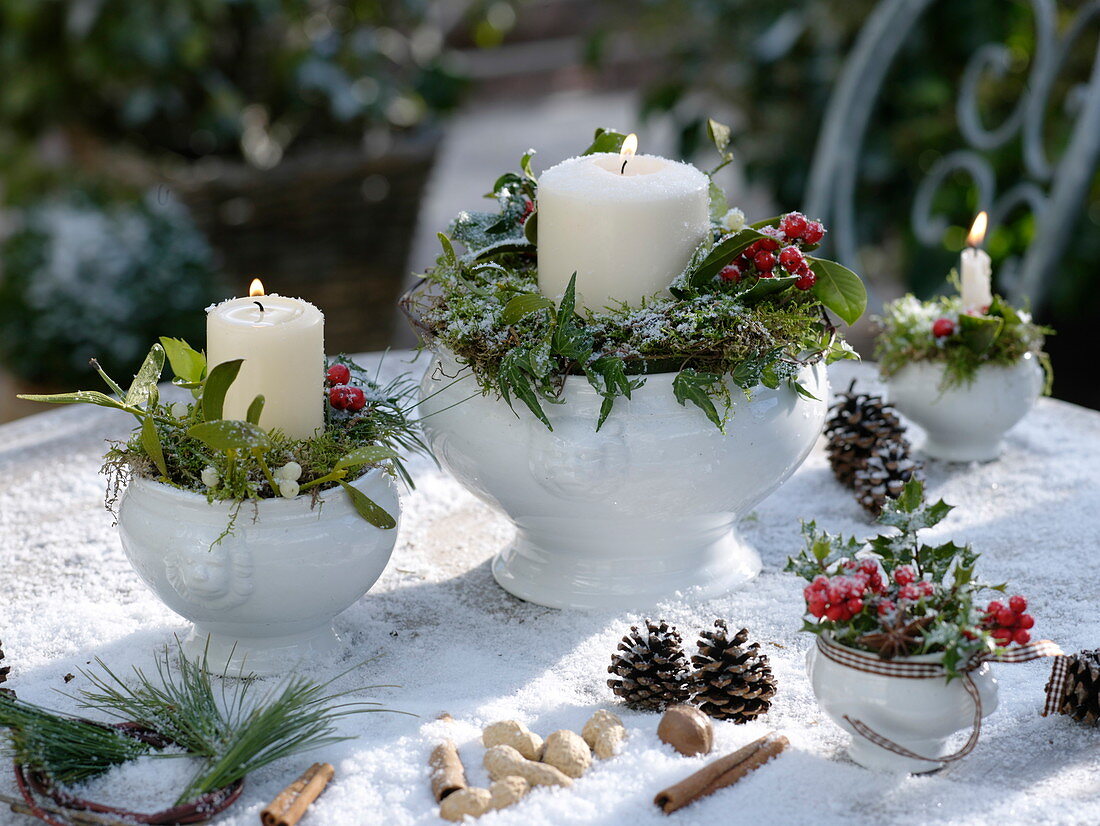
639 511
966 423
266 595
919 715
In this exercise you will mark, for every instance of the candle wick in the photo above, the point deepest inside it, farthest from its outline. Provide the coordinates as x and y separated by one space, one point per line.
258 304
623 170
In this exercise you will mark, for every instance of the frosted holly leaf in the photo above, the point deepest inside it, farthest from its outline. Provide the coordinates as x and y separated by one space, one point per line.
229 434
79 397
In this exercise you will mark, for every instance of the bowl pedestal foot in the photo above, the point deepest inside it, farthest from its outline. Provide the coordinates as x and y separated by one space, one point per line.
622 564
234 655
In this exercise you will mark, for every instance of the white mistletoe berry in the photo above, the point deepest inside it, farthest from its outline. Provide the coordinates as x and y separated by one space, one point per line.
210 476
288 488
734 220
291 471
179 409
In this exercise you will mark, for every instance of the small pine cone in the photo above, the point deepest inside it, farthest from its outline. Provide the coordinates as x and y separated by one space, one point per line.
733 681
1082 697
856 423
884 474
652 666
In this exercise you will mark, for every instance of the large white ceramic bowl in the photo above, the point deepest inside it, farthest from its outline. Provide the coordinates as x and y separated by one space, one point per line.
919 715
265 596
966 423
639 511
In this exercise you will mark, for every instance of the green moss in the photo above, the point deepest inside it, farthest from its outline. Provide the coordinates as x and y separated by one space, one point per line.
906 338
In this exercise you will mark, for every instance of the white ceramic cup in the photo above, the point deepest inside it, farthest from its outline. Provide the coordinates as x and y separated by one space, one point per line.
966 423
919 715
264 597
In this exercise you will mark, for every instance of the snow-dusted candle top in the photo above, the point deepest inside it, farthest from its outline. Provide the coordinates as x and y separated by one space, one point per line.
603 177
272 310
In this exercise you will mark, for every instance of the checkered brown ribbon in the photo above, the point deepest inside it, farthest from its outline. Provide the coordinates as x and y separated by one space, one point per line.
873 664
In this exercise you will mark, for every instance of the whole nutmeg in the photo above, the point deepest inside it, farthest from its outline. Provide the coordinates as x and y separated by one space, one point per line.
686 729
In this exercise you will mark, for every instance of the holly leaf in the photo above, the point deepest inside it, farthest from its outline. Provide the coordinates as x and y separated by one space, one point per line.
230 434
721 254
765 287
839 289
605 140
368 508
979 333
216 386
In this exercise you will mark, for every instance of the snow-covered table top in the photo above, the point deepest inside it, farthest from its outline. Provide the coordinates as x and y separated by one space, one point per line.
437 625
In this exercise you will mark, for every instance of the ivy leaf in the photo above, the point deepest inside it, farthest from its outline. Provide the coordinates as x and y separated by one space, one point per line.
839 289
365 456
188 364
531 227
368 508
216 386
692 386
513 379
721 254
605 140
449 258
719 206
508 246
150 441
521 305
525 164
230 434
979 332
255 409
144 385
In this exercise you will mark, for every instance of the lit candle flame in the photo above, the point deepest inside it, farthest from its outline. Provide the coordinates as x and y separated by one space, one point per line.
630 146
977 230
256 288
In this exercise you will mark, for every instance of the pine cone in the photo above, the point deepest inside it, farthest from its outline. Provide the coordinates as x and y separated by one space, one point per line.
857 422
884 474
1082 698
653 668
733 681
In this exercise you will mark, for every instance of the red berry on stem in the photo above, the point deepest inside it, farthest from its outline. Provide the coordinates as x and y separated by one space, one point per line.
943 327
813 233
354 398
1006 618
768 244
338 374
730 272
904 575
1002 636
764 260
1021 636
337 397
791 258
793 224
1026 621
806 282
993 608
834 613
1018 604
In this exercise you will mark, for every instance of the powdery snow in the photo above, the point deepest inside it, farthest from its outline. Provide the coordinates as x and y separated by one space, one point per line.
438 626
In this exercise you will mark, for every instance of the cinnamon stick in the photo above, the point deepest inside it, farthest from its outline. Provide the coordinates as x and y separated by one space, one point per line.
291 803
725 771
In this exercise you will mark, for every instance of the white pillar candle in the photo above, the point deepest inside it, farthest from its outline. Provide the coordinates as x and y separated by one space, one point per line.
282 342
626 231
976 270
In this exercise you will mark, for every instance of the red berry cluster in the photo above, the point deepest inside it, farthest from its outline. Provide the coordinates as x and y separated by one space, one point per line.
1009 623
782 249
841 597
528 208
342 395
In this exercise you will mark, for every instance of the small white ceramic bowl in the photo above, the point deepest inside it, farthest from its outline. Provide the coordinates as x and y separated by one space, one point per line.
642 510
265 596
966 423
919 715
